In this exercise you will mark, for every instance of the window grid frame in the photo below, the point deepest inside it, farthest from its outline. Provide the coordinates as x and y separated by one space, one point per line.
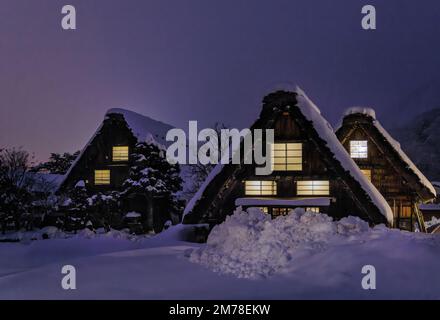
359 149
284 156
260 188
120 155
313 188
102 177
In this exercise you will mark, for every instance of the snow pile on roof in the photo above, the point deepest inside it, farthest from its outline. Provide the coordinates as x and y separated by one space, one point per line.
434 221
405 158
430 207
362 110
325 131
296 202
133 214
144 127
249 244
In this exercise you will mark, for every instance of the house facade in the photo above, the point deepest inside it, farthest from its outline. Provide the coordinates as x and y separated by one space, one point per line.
104 163
311 170
384 163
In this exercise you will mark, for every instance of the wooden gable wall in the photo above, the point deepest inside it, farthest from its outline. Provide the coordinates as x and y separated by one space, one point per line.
387 175
98 156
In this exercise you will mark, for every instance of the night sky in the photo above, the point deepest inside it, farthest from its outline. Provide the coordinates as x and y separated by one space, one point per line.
206 60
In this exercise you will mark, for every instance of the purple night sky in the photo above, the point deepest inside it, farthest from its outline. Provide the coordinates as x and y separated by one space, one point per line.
206 60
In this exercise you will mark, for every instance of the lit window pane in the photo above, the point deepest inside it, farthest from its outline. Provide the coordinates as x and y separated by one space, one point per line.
287 156
405 212
280 212
120 153
102 177
264 209
313 188
367 173
359 149
260 188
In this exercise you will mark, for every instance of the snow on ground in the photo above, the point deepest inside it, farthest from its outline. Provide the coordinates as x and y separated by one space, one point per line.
316 258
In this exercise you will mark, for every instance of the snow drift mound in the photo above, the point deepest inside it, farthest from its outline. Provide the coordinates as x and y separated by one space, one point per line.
249 244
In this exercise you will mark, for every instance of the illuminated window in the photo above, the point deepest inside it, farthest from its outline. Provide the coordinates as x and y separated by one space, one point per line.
359 149
367 173
260 188
280 211
120 153
102 177
313 188
287 156
313 209
264 209
405 212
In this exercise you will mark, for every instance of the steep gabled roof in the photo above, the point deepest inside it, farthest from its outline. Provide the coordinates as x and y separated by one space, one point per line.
368 116
375 208
142 127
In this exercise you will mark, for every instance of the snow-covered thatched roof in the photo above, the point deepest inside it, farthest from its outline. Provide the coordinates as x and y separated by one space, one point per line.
325 131
363 110
395 145
144 128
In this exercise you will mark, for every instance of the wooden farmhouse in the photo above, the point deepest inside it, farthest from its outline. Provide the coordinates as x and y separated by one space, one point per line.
103 164
383 162
311 170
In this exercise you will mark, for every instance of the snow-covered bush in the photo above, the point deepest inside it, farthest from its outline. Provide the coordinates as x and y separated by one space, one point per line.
105 210
156 181
86 209
21 193
250 244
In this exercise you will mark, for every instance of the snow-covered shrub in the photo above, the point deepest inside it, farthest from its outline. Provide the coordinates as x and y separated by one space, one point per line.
105 210
157 182
250 244
18 192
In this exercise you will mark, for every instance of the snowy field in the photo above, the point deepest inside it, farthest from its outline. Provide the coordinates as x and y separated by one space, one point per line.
302 256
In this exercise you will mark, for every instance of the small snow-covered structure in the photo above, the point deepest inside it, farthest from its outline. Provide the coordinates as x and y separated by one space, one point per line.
382 160
312 170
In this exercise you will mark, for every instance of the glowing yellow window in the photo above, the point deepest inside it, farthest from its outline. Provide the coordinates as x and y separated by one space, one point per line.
120 153
260 188
102 177
313 209
313 188
280 211
405 212
359 149
367 173
287 156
